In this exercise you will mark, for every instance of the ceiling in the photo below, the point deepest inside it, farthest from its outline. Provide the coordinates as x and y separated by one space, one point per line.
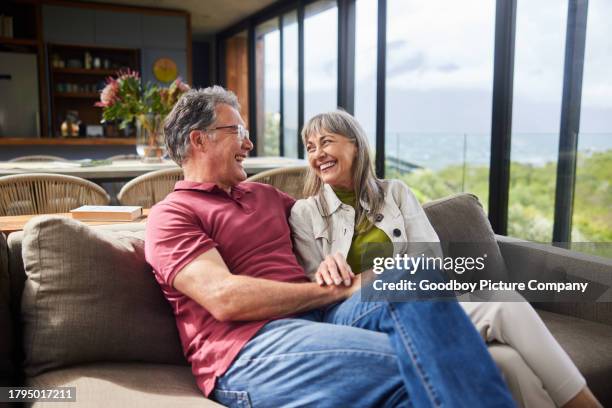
207 16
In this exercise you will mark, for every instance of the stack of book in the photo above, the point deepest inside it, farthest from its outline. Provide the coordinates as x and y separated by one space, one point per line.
107 213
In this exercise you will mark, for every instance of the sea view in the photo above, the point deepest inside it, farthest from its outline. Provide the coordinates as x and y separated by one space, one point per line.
436 151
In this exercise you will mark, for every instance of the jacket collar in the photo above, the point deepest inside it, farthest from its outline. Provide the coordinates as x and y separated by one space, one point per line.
333 202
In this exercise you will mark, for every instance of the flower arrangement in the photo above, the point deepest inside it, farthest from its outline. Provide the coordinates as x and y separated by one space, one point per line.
125 98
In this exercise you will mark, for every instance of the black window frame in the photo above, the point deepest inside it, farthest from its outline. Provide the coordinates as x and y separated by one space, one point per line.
502 99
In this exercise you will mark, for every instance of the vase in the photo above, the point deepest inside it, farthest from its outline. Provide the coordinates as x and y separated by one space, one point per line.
150 143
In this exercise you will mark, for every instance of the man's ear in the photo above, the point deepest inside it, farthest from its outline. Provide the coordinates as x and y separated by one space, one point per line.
198 139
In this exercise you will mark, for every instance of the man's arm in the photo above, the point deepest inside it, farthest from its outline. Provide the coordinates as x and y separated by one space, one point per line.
228 297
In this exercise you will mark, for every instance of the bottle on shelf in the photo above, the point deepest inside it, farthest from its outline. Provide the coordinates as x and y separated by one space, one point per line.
71 125
87 60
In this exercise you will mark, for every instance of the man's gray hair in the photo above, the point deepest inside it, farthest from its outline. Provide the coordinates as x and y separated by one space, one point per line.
195 110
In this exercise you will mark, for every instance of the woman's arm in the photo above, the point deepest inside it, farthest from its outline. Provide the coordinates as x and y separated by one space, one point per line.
305 247
329 269
418 227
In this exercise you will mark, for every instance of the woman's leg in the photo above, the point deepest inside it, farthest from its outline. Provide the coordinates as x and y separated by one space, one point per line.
526 388
518 325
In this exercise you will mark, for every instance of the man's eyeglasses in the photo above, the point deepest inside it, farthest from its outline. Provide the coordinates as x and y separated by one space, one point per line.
239 130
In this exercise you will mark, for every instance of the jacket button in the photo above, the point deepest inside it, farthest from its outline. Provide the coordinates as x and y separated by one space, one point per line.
397 232
379 217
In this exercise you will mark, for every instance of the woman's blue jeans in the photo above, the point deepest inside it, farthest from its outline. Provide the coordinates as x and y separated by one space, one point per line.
366 354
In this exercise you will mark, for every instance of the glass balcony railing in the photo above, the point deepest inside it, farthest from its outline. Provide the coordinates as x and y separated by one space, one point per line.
435 165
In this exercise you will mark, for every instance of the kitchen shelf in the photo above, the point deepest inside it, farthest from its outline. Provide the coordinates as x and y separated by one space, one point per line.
83 95
64 78
81 141
84 71
18 41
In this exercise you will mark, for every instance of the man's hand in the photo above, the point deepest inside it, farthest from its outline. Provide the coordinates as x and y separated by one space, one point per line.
334 270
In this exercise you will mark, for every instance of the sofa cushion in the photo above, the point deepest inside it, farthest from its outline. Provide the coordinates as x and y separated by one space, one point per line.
126 385
90 296
6 323
589 344
460 219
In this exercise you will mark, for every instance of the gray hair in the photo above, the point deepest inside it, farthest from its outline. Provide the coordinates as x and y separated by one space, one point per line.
195 110
368 188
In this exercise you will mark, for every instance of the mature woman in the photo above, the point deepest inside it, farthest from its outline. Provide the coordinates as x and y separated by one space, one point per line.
349 207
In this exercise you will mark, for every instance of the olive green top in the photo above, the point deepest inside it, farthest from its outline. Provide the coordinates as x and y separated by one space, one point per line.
367 234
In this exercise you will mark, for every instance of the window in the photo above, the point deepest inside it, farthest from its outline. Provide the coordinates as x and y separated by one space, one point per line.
538 87
267 73
365 66
439 92
290 84
320 58
236 70
592 219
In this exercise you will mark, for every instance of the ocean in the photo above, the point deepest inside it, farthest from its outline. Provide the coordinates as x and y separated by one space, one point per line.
436 151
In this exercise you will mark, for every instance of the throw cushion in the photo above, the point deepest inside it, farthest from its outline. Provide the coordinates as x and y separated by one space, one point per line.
461 219
90 296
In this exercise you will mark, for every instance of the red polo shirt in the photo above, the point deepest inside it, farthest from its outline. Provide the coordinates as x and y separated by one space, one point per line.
249 229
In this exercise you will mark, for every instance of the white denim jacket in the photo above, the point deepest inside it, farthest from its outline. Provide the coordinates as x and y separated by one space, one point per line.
402 218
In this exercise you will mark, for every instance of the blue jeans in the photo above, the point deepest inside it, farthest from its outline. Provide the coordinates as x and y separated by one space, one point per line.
366 354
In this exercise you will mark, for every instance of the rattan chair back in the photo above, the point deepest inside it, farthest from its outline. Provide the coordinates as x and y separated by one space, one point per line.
43 193
150 188
39 158
289 180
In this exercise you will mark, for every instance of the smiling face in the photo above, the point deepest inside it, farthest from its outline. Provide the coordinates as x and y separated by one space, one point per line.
331 156
227 150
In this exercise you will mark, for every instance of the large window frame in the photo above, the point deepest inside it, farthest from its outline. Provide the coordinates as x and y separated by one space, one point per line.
501 115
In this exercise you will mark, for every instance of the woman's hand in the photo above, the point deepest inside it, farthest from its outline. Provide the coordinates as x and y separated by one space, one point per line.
334 270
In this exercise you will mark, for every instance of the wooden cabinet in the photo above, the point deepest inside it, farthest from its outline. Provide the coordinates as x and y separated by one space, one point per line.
77 74
134 37
68 25
116 29
164 32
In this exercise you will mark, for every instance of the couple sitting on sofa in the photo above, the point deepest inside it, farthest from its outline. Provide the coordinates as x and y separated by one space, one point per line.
258 332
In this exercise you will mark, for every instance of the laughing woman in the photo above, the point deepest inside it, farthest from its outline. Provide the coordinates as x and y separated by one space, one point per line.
332 226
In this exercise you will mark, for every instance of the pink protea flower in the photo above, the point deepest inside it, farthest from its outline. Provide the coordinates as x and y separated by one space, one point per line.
110 93
181 86
126 73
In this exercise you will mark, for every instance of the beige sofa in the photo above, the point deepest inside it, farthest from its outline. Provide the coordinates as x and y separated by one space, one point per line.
80 307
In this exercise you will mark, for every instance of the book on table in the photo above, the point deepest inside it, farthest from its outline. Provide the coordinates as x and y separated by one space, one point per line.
107 212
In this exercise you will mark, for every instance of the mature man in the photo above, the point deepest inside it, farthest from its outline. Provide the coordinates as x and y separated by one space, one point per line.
254 328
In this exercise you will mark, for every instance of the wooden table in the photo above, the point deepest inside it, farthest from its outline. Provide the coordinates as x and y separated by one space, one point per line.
123 170
14 223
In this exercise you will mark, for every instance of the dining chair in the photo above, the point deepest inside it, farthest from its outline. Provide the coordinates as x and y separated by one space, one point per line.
289 179
44 193
38 158
150 188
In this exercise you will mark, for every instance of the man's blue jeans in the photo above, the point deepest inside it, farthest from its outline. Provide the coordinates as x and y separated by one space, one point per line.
366 354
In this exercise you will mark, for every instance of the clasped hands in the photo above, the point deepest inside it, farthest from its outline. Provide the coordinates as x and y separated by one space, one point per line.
335 271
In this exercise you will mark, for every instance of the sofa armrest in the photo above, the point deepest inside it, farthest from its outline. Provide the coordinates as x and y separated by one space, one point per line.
527 260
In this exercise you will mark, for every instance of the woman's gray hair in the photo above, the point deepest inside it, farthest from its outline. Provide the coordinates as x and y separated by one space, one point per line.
195 110
368 188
